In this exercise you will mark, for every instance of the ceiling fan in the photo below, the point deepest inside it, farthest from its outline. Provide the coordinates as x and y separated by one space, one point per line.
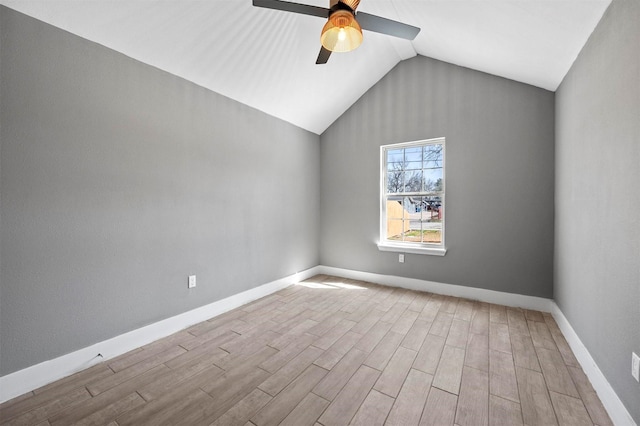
342 32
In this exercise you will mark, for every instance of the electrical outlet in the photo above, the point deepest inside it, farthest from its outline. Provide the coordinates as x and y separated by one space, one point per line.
192 281
401 258
635 366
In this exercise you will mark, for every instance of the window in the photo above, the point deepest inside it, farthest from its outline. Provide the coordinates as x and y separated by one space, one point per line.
412 197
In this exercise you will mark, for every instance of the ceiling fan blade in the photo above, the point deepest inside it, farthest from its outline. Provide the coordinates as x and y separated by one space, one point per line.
382 25
286 6
323 56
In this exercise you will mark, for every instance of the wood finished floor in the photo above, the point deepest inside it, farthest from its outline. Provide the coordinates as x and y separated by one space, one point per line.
333 351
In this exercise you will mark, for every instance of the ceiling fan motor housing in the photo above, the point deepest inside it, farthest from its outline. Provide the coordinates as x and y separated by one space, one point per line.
353 4
343 6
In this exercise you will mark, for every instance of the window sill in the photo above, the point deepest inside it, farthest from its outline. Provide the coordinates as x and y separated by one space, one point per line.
432 251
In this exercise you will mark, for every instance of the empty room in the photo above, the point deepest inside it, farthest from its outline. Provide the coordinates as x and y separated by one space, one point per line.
331 212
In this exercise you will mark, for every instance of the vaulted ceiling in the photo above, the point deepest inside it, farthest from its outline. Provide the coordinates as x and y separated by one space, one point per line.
266 58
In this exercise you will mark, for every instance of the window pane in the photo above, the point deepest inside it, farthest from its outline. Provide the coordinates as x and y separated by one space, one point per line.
413 154
433 180
410 206
432 205
395 156
413 235
413 158
413 181
394 208
414 214
433 155
432 216
395 229
413 165
395 166
395 182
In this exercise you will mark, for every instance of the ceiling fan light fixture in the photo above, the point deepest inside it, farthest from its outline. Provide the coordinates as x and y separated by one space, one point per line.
341 33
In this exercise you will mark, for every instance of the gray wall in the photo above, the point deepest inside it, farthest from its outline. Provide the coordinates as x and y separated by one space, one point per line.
500 176
119 180
597 261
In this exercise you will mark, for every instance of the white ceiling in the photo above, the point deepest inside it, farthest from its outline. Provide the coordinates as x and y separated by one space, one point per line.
266 58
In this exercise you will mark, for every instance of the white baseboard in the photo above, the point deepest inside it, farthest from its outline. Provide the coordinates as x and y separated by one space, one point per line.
481 294
33 377
614 406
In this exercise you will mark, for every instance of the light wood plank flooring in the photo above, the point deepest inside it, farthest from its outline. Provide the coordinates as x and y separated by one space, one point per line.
332 351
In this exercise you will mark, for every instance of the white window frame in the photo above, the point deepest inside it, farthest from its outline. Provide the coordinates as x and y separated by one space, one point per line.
436 249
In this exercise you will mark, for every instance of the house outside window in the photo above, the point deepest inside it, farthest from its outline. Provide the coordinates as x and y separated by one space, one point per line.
412 202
